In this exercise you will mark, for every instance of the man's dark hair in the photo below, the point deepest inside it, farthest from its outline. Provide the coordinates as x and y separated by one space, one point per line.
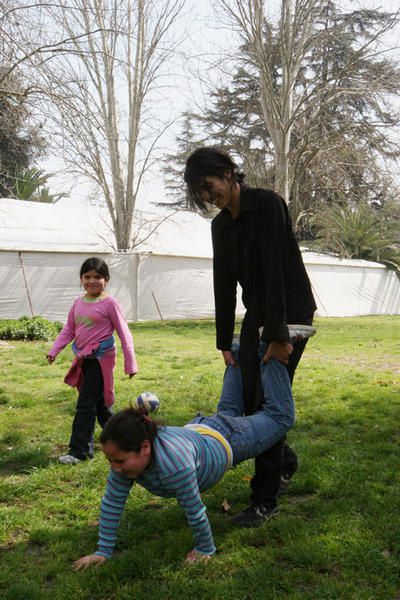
206 162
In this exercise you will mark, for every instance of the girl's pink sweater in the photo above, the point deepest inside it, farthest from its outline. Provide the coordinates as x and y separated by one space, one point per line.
89 324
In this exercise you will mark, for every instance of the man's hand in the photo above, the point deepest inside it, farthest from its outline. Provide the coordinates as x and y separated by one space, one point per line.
87 561
280 351
228 358
194 556
50 359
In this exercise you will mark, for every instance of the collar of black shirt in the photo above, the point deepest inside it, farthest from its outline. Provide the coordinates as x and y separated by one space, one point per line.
248 203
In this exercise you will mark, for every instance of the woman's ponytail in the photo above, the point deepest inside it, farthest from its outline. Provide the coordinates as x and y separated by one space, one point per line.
129 428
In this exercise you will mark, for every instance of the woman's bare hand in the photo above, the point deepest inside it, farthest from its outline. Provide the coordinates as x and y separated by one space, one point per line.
194 556
88 561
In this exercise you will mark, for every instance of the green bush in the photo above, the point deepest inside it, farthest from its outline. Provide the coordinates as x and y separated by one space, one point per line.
25 328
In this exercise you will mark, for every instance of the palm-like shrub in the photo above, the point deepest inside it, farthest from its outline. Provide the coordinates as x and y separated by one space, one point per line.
362 232
31 185
28 182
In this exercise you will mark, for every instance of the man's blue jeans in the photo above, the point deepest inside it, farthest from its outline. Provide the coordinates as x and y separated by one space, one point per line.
250 436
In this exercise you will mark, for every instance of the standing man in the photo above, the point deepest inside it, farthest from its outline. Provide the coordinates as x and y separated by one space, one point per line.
254 245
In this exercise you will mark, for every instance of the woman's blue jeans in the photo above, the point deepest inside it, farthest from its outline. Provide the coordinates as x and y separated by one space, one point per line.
250 436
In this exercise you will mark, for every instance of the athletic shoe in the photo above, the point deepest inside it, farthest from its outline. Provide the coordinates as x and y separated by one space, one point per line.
67 459
298 333
235 341
254 515
235 347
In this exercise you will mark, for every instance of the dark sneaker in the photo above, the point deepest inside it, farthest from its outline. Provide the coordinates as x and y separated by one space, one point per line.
254 515
298 333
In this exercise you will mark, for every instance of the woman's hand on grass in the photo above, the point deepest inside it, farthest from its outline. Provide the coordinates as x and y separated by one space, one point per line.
194 556
88 561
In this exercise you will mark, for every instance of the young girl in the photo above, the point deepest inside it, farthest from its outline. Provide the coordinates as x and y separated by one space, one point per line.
181 462
91 324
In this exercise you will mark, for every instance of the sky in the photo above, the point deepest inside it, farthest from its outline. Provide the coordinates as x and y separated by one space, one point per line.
205 39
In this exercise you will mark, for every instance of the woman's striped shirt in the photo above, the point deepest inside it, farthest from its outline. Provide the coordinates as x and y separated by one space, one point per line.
185 463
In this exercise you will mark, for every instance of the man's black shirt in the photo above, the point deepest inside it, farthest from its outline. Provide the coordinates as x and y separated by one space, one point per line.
258 250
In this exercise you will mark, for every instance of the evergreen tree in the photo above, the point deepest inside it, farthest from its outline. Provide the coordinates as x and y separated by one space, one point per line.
234 122
20 141
14 144
348 137
174 164
343 126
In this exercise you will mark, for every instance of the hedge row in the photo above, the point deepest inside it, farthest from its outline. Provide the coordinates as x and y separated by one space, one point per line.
25 328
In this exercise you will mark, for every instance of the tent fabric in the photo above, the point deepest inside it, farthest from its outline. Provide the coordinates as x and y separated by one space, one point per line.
46 284
168 276
352 287
174 288
60 227
180 233
155 287
38 226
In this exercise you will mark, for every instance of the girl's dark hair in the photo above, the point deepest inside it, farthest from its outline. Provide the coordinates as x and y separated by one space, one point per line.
95 264
128 429
203 162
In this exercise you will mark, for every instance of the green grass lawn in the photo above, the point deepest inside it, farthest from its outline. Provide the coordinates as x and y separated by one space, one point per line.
337 536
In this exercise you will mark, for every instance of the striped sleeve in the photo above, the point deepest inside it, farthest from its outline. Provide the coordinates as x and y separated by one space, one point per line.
112 506
188 496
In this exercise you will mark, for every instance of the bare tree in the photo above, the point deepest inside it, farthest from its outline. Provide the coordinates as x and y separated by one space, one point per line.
21 42
293 104
100 86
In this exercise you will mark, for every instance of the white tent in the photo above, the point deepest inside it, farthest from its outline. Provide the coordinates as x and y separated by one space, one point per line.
40 227
42 247
346 288
169 275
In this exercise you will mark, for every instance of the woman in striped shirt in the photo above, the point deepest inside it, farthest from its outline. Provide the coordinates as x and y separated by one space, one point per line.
181 462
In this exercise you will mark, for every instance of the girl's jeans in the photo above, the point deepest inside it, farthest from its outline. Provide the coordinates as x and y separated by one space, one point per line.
250 436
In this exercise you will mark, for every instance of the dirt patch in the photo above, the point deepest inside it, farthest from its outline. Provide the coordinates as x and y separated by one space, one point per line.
374 363
299 498
6 345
